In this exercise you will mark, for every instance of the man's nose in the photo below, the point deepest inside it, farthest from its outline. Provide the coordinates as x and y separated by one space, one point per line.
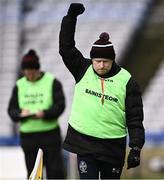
101 64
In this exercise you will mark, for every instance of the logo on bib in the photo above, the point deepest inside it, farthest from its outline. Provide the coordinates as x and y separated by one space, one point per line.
83 166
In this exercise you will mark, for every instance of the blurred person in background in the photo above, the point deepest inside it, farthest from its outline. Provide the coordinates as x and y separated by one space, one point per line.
107 104
36 102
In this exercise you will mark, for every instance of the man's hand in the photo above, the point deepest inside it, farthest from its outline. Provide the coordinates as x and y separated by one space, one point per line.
76 9
25 113
39 115
133 158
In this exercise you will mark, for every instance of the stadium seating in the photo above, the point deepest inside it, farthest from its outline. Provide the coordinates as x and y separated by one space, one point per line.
36 24
9 57
42 24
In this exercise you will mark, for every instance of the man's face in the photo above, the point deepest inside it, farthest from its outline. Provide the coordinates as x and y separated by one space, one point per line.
101 65
31 74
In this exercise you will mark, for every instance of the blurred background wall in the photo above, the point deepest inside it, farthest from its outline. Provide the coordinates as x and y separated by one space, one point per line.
136 28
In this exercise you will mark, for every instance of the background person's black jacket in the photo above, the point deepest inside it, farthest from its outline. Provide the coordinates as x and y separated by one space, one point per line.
111 150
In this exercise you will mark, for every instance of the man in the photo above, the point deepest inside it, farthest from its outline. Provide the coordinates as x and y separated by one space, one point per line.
36 103
107 101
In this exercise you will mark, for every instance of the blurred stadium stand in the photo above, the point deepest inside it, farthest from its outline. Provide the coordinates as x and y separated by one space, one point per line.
145 60
154 97
36 24
9 47
26 24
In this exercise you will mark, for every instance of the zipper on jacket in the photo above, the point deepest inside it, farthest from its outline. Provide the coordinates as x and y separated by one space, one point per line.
102 88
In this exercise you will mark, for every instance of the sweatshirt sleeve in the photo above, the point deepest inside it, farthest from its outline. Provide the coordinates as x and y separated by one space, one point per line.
134 114
58 102
13 106
72 57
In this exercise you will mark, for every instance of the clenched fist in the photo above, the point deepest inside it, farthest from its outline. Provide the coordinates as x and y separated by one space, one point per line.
76 9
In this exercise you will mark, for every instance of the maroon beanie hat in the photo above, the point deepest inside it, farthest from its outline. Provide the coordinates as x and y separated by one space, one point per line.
103 48
30 60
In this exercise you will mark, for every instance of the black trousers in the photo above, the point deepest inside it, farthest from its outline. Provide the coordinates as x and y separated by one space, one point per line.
52 161
91 168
